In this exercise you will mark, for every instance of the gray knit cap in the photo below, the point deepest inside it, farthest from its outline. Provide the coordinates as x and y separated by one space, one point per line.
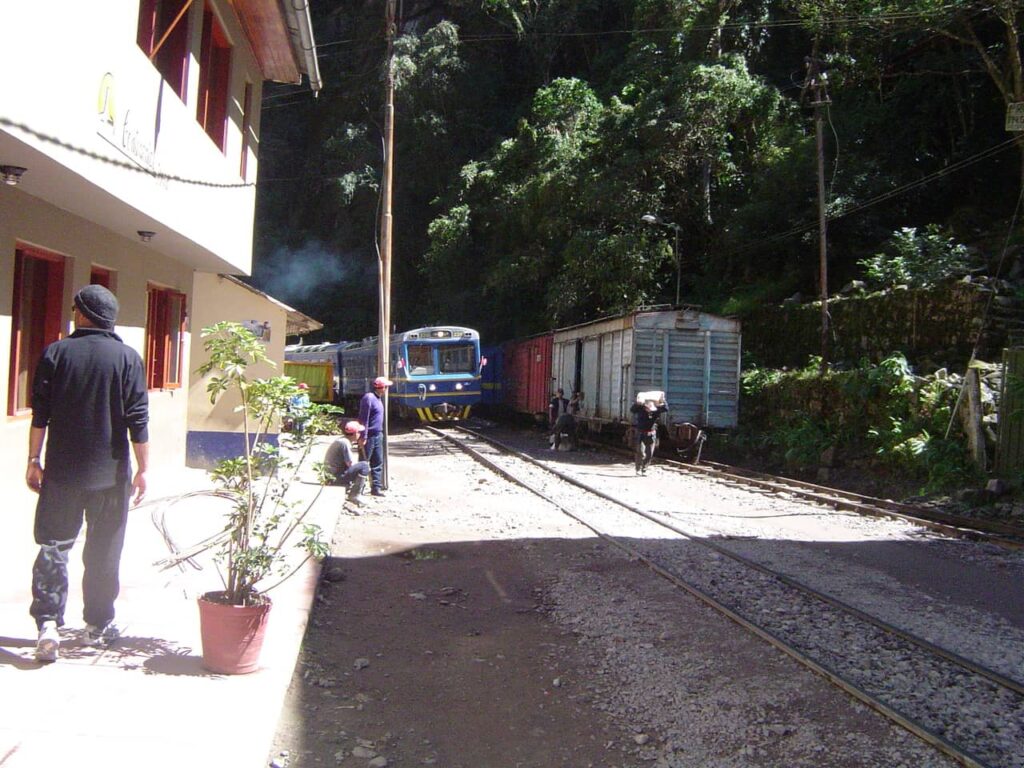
99 305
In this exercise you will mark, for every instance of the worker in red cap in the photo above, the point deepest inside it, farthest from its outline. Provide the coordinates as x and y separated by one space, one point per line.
342 461
371 416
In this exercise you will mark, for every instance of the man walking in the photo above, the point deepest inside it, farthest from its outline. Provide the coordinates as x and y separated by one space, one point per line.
371 415
88 396
562 414
646 410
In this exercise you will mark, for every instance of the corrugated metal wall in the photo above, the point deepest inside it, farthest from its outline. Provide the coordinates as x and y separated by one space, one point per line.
1010 453
527 366
693 357
698 371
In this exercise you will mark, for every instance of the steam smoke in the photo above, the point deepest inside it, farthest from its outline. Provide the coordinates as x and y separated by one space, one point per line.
294 275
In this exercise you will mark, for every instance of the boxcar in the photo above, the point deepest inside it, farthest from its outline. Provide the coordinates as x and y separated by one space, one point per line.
693 356
527 379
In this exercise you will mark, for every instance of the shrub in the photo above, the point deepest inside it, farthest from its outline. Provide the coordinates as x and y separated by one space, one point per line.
916 259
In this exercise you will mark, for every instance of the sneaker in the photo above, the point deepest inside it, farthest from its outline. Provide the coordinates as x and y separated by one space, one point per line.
376 492
48 644
103 636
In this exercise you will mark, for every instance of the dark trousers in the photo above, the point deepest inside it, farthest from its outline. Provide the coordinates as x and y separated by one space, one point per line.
646 445
375 456
566 424
59 515
353 478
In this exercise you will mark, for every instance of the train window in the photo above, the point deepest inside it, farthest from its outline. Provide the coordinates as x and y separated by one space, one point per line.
457 358
421 360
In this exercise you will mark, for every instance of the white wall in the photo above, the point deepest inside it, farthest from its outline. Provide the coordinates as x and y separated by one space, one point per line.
85 93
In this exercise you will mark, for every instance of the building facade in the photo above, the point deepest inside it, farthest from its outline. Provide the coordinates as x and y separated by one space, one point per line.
129 143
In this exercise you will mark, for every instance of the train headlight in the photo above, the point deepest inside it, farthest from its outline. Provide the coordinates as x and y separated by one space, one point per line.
433 387
458 386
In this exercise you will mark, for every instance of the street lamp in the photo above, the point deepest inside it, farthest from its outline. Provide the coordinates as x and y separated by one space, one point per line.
650 218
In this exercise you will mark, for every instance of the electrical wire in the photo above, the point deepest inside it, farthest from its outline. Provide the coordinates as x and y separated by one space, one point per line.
985 313
864 20
859 20
122 164
958 165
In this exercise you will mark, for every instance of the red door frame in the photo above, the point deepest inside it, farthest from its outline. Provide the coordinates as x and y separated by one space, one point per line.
52 328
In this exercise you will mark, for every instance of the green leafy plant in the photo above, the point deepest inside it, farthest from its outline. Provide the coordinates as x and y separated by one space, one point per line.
916 259
263 519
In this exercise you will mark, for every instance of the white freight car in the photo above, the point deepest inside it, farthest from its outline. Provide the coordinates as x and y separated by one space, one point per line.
693 356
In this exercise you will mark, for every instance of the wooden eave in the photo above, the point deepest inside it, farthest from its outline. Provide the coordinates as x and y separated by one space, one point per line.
265 26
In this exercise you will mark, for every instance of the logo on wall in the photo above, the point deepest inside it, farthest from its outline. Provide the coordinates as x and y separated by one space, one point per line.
105 107
126 132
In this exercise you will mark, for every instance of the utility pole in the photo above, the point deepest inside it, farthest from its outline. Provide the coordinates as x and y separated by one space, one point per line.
384 261
816 83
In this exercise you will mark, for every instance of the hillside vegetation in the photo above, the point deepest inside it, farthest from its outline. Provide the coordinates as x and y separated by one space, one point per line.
533 138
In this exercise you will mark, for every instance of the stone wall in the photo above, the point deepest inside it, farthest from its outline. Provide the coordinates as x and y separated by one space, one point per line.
932 327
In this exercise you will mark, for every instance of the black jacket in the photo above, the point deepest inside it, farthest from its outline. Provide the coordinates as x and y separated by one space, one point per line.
89 392
644 419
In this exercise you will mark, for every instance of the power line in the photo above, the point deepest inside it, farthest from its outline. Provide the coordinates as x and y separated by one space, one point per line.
122 164
863 20
880 198
858 20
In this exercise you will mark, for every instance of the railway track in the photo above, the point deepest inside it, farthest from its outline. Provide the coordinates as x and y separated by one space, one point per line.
972 529
967 710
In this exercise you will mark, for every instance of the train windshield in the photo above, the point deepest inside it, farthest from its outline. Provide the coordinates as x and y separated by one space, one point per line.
421 359
457 358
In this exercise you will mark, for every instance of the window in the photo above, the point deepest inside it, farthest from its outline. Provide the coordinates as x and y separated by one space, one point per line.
163 36
165 326
459 358
102 276
36 319
214 76
421 359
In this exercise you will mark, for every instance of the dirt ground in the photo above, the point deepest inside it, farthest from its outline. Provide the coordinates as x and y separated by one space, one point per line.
435 640
428 644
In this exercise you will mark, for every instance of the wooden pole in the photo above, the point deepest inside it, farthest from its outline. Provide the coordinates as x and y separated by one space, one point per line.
816 83
384 336
971 416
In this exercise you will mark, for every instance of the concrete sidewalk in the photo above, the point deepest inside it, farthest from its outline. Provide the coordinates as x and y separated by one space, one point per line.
147 700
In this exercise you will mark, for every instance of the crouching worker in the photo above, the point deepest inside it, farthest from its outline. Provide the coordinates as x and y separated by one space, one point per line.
342 461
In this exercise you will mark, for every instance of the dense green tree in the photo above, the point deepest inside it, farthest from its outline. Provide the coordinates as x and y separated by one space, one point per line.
533 135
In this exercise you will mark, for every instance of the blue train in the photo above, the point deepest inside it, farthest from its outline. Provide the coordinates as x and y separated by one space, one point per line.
436 372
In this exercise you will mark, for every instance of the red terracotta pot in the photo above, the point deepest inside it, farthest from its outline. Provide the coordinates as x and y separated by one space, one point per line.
232 634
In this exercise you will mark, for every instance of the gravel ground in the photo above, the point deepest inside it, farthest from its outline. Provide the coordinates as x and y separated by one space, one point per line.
625 670
952 703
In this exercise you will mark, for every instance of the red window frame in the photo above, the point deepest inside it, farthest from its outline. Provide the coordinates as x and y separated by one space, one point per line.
214 79
102 276
36 319
165 337
171 59
246 129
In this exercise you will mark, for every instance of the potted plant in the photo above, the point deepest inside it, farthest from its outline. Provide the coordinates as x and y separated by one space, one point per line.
264 524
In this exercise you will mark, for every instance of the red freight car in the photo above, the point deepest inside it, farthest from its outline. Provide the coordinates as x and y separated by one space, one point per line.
527 376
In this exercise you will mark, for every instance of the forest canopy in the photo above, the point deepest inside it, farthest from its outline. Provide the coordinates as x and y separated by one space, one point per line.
550 155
